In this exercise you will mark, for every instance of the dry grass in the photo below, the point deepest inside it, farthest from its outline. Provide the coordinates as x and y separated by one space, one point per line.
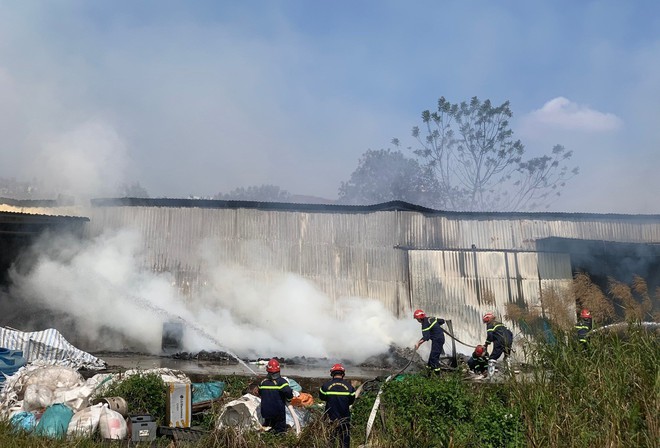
557 306
560 306
588 295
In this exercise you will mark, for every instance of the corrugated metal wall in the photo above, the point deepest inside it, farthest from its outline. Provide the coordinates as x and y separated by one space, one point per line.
344 254
462 285
461 232
366 254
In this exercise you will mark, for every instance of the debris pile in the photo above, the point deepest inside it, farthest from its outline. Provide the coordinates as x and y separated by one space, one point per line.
396 358
217 357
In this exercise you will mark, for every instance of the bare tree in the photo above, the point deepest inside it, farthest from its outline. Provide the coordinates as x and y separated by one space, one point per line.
479 165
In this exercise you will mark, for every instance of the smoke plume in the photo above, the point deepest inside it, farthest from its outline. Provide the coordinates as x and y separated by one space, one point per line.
103 284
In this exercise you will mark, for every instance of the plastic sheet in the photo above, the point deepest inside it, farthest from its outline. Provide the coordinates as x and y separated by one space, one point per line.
23 421
207 391
55 421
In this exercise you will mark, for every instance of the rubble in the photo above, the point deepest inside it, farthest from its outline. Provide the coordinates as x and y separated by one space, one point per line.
395 358
219 357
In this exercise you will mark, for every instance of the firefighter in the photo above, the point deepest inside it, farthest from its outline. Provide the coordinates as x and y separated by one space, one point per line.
431 330
501 338
478 362
339 395
274 392
583 327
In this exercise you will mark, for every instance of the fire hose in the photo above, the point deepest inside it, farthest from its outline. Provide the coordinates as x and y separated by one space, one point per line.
458 340
374 409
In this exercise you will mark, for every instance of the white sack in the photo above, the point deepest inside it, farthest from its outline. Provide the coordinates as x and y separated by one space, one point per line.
84 422
112 424
244 412
37 397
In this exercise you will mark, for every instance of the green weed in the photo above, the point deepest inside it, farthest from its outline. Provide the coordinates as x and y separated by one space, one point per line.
145 393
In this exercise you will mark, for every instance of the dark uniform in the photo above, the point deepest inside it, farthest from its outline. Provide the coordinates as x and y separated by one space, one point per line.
478 364
501 338
339 394
274 392
431 330
583 327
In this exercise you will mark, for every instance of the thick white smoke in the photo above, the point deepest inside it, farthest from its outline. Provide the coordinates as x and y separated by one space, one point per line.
102 283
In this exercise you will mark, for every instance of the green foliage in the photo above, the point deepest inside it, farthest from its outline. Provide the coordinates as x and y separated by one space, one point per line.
497 424
386 175
145 393
235 386
445 411
360 413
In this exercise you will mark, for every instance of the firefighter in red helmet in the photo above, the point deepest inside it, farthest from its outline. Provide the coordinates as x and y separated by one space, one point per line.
274 392
501 338
339 395
431 330
478 362
583 327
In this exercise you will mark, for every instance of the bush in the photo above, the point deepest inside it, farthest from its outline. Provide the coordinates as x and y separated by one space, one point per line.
497 424
449 411
145 393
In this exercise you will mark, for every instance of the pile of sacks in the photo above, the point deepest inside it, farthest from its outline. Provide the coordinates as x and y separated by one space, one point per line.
55 401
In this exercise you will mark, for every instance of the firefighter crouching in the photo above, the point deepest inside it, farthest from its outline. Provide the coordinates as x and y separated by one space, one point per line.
478 362
501 338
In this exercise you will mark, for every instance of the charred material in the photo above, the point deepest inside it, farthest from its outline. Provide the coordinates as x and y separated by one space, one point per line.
219 357
395 358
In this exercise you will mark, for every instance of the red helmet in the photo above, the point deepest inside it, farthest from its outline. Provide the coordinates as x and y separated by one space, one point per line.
337 368
419 314
273 366
585 314
488 317
479 350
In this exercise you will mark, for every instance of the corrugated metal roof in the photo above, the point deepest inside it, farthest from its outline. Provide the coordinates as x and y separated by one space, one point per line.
341 208
26 223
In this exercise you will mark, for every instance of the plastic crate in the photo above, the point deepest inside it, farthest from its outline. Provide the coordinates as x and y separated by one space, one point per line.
143 428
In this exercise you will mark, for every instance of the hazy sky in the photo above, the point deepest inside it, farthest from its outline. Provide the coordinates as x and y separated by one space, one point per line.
202 97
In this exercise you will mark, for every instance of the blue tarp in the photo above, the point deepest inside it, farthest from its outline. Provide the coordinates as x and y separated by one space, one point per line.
207 391
10 362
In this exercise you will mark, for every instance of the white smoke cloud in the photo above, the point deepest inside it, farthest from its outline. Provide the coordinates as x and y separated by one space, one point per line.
561 113
102 284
